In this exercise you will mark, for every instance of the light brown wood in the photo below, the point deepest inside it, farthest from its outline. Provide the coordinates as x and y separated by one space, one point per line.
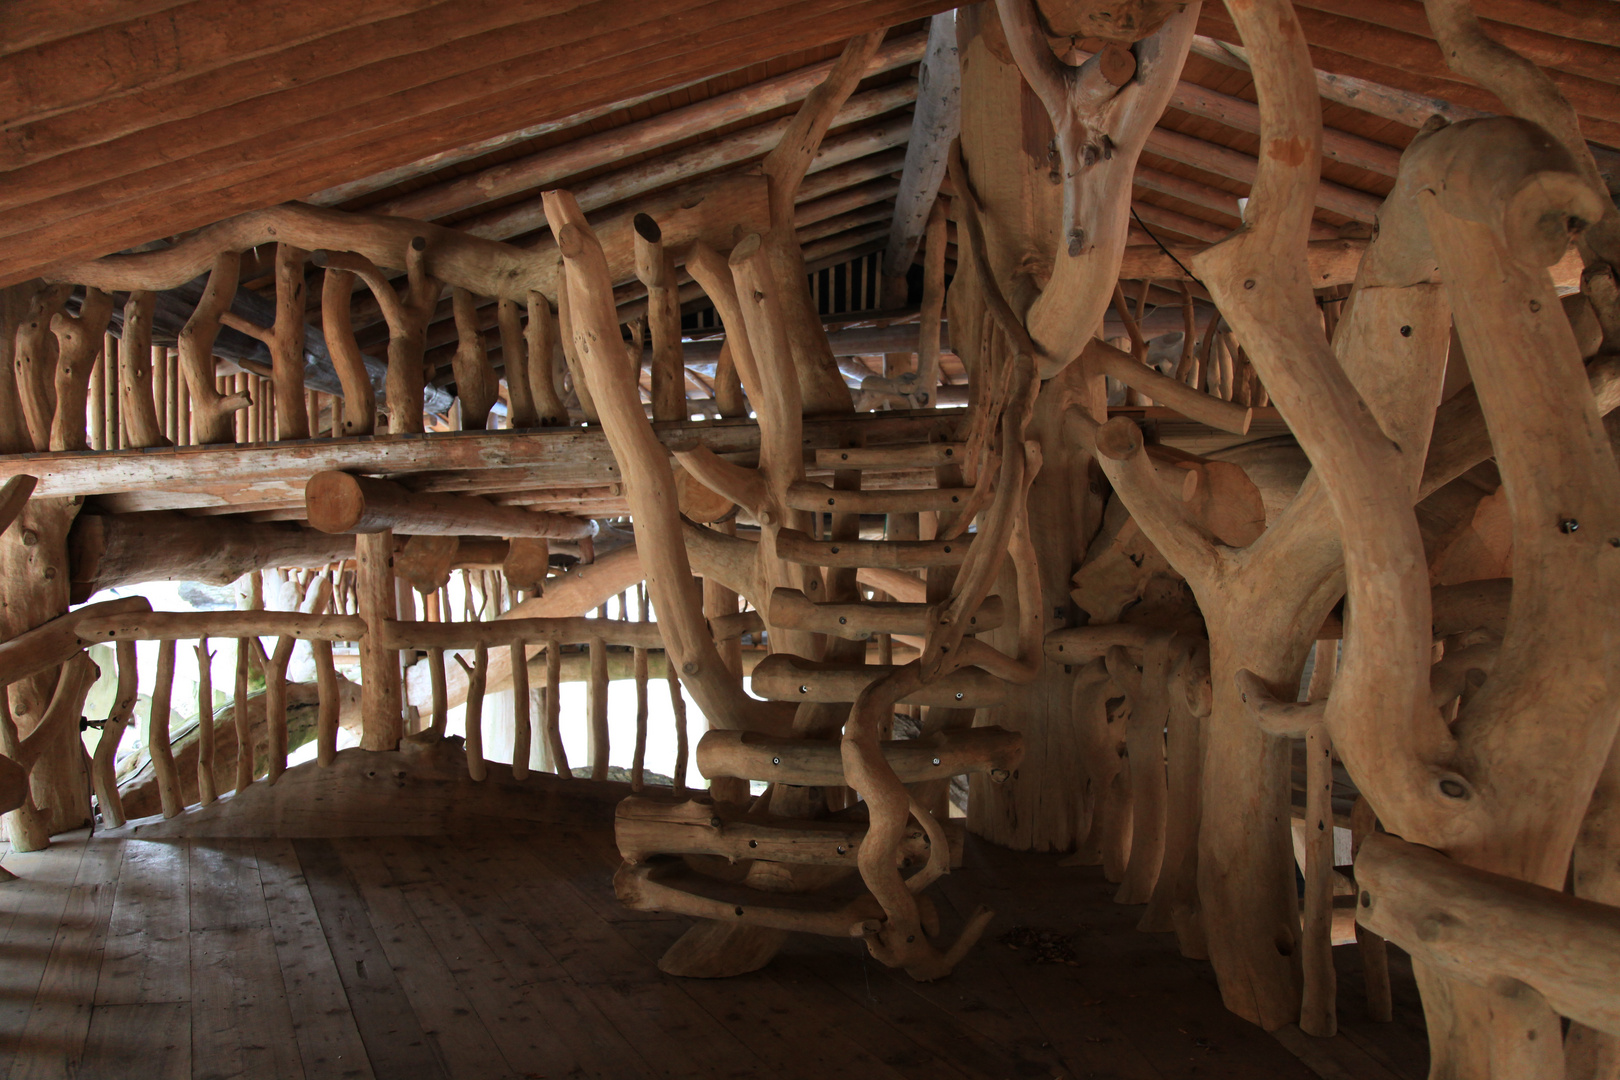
1479 927
1318 1013
381 705
103 762
136 408
343 503
78 341
655 267
207 789
141 625
157 731
475 378
477 768
359 401
330 704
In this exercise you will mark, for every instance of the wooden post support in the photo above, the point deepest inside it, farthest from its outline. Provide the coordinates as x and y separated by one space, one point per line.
514 353
521 729
477 768
326 720
137 407
677 703
359 400
559 755
337 502
656 269
540 336
275 703
104 763
638 761
1318 1015
239 710
475 378
441 709
596 693
207 791
381 719
157 732
78 340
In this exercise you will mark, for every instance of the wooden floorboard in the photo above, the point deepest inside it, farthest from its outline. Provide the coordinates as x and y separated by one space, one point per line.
506 955
328 1042
54 1037
31 910
393 1038
148 958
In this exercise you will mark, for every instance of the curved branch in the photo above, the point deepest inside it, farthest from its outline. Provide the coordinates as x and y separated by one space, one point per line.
1276 716
211 411
1173 393
787 163
745 487
78 340
649 483
14 496
359 397
1192 551
475 378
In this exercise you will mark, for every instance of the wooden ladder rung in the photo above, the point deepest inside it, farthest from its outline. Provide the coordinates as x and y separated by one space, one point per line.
797 547
785 677
792 610
749 755
810 495
914 456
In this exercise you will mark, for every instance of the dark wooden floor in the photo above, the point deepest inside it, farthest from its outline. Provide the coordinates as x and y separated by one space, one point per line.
507 956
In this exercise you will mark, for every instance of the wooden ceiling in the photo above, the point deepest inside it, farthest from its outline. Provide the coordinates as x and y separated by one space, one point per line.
156 117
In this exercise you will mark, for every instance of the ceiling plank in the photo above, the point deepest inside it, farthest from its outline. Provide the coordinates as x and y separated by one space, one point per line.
497 98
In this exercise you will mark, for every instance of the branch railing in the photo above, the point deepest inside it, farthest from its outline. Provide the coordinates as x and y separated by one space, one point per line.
124 623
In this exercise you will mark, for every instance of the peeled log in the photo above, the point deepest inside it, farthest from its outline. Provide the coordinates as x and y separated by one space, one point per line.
340 503
1490 930
108 550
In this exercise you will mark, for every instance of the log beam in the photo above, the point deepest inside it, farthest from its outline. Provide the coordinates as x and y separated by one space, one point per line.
337 502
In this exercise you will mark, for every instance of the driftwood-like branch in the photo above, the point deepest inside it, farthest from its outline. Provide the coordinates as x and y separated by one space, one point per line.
359 396
407 314
475 378
78 340
1483 928
540 336
212 412
338 502
1285 718
648 481
656 268
136 408
14 495
1102 113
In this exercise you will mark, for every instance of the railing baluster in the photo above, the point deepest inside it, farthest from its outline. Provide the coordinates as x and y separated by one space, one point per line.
104 764
521 731
207 791
331 704
244 730
559 755
157 733
476 767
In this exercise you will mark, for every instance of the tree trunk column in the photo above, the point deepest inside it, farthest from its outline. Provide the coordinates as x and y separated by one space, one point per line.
34 570
381 708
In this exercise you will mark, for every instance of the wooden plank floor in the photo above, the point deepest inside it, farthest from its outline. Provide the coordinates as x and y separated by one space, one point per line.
507 956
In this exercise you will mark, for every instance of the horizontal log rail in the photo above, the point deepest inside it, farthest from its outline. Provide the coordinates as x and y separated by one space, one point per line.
809 763
148 625
1488 930
557 457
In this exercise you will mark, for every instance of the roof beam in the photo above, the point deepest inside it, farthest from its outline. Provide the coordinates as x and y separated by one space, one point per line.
936 121
270 149
548 167
1406 107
